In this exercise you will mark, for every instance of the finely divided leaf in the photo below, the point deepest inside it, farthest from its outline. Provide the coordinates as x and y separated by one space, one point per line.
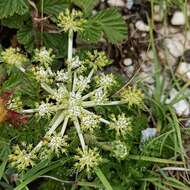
11 7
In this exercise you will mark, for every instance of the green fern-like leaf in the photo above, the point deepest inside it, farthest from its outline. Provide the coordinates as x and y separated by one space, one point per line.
11 7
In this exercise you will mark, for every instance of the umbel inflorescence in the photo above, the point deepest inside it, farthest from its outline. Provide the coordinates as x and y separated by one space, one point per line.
72 94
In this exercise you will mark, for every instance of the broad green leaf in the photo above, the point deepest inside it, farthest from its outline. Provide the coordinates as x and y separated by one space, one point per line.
86 5
53 7
92 32
56 42
112 24
25 36
16 21
11 7
108 22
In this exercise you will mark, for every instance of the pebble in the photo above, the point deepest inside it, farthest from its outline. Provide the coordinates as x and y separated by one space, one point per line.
174 46
147 134
182 107
116 3
127 61
158 13
184 70
178 18
141 26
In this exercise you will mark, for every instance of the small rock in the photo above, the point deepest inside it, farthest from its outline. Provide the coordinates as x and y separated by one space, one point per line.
116 3
147 134
174 46
141 26
127 61
184 70
178 18
182 107
130 4
158 13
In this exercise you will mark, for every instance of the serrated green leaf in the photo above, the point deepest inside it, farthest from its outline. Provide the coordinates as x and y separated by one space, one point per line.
16 21
112 24
86 5
53 7
25 37
11 7
56 42
92 32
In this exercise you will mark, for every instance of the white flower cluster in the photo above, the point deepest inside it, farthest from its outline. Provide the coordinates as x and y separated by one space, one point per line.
89 122
57 143
44 109
61 76
43 56
120 150
43 74
122 125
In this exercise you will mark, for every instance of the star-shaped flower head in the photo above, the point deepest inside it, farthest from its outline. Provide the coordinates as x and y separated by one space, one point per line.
88 160
121 124
71 20
43 56
13 56
22 158
132 96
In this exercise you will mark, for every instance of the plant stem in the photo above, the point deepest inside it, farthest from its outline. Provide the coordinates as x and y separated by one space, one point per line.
47 88
64 125
91 93
77 126
69 58
56 123
93 103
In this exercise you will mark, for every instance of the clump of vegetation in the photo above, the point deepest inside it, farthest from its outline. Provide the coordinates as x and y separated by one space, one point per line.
68 121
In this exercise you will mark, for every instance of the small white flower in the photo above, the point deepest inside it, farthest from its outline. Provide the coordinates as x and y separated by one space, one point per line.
89 122
82 83
76 62
60 94
99 96
43 75
106 80
57 144
44 108
43 56
147 134
120 150
122 125
74 108
61 76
